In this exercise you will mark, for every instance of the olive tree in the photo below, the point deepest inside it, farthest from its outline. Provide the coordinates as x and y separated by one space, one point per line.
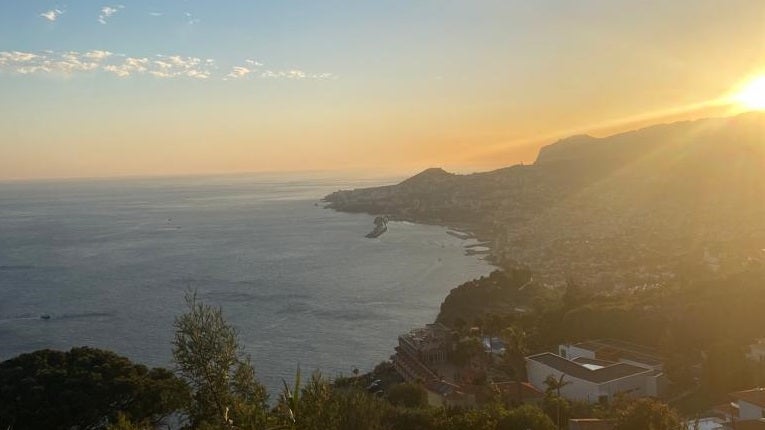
207 354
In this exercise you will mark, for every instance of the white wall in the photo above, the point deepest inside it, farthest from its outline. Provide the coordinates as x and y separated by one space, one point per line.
577 389
573 352
640 364
748 411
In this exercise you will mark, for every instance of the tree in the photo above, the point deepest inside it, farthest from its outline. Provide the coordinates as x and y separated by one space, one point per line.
555 406
647 414
574 295
516 349
465 350
206 351
724 368
408 395
460 419
460 324
526 417
86 388
124 423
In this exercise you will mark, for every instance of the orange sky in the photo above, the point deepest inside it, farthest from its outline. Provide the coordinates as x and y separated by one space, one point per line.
462 85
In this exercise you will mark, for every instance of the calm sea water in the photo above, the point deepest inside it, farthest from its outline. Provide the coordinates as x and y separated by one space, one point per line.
110 262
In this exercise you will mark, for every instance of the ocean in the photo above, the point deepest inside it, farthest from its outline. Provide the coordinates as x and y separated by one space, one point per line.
110 261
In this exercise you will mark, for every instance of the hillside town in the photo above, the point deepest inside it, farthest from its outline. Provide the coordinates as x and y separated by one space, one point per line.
594 372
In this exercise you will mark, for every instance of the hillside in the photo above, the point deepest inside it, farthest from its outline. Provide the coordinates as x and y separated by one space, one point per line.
632 209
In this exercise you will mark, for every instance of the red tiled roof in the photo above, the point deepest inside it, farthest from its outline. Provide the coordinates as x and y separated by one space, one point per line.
511 388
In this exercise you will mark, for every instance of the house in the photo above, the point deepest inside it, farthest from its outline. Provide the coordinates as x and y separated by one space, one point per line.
751 404
746 411
709 423
756 351
592 380
421 349
614 350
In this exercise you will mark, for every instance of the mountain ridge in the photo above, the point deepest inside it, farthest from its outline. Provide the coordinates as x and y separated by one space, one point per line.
670 189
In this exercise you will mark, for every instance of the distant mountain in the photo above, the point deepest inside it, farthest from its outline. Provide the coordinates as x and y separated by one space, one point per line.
630 209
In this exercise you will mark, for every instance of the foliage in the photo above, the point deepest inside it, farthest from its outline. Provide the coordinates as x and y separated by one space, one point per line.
221 378
85 388
724 368
526 417
465 349
408 395
557 408
318 406
124 423
516 350
497 294
647 414
459 419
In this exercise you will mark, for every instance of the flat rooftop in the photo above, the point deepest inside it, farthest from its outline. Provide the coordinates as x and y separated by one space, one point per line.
625 350
577 370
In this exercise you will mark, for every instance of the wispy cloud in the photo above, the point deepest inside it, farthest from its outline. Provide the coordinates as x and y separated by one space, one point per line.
108 11
254 69
239 72
70 63
64 63
172 66
52 15
295 74
156 14
191 20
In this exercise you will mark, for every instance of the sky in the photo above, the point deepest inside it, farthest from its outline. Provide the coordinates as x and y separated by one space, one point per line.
175 87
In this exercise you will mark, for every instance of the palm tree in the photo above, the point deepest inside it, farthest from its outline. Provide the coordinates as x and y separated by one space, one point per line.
516 349
555 384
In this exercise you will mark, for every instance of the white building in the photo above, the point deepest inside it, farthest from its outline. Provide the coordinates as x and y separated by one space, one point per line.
614 350
751 404
756 351
592 380
746 411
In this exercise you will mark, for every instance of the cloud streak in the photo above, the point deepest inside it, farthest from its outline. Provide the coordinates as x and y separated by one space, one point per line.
254 69
191 20
71 63
52 15
108 11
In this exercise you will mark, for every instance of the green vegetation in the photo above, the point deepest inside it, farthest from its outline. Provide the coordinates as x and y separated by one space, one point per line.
216 388
701 323
219 375
647 414
408 395
84 388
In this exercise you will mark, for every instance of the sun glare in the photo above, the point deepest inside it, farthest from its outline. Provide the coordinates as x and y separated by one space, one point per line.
752 94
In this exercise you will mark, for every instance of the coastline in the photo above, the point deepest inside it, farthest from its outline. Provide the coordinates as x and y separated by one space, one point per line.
462 231
302 284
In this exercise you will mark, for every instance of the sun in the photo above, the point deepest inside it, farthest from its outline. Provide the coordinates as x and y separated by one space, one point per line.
752 94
